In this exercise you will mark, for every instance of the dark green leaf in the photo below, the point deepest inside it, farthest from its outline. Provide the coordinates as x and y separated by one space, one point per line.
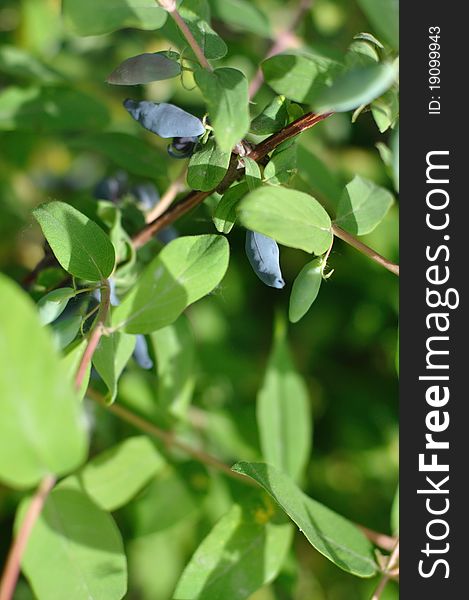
284 414
363 206
253 173
300 77
50 109
81 247
41 430
65 331
88 17
146 68
207 167
226 93
225 213
74 549
114 477
305 289
282 165
244 551
332 535
272 118
321 181
291 218
187 269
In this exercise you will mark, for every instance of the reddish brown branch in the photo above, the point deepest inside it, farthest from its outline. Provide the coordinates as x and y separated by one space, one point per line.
12 567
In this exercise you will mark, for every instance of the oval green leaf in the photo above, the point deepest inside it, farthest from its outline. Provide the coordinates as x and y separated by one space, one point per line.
75 549
225 215
207 167
111 355
41 430
53 304
187 269
333 536
305 289
146 68
290 217
81 247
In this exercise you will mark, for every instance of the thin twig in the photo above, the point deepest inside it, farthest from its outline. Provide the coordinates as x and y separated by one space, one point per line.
168 197
167 438
364 249
388 574
285 39
381 540
12 567
95 335
170 6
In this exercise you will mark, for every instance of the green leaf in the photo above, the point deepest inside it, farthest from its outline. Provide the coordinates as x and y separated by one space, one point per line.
332 535
50 109
225 215
41 430
244 551
356 87
284 414
53 304
226 93
111 356
282 165
384 16
253 173
207 167
18 63
321 182
187 269
65 331
145 68
175 354
242 15
395 514
133 154
300 77
74 549
272 118
291 218
81 247
363 206
385 110
305 289
87 17
71 361
115 476
395 157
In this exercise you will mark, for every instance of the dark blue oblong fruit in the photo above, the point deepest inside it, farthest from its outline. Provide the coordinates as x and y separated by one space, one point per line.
182 147
166 120
264 255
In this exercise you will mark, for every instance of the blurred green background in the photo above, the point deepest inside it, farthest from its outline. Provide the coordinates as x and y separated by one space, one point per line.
344 347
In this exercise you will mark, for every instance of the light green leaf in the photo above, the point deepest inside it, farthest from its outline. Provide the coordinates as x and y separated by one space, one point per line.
384 16
332 535
187 269
18 63
225 215
253 173
53 304
363 206
175 355
272 118
115 476
242 15
244 551
300 77
87 17
50 109
110 357
305 289
356 87
71 361
207 167
385 110
395 514
291 218
133 154
75 549
284 414
41 430
81 247
225 92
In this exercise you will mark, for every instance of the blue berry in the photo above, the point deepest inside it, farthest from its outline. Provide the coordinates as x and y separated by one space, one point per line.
264 255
